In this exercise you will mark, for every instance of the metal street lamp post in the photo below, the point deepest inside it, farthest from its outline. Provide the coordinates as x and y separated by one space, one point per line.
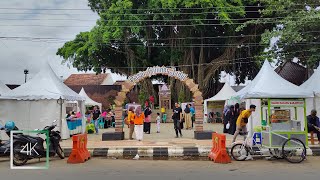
26 72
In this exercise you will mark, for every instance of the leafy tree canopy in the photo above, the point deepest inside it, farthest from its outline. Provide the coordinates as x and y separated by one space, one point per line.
296 24
199 37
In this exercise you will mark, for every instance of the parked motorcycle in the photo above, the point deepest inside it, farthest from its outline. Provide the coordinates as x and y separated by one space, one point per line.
27 147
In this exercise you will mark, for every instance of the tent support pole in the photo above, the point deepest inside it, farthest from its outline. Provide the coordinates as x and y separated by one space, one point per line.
61 111
314 101
60 102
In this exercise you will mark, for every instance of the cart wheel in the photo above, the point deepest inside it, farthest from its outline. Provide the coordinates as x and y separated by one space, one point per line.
294 150
239 152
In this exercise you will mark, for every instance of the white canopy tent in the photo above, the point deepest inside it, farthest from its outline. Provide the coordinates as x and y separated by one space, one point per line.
268 84
3 88
312 86
88 100
224 94
38 102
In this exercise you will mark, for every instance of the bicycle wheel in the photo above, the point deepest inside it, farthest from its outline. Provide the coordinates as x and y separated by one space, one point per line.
239 152
294 150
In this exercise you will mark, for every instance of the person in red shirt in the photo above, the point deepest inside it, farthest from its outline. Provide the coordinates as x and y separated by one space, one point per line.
151 99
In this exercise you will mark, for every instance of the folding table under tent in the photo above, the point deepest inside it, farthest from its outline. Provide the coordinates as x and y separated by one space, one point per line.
217 102
88 103
38 102
313 85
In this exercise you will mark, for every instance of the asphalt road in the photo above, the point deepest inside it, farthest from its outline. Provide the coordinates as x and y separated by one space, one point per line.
165 170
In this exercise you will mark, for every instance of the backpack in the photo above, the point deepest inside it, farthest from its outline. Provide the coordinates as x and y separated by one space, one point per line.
147 112
187 110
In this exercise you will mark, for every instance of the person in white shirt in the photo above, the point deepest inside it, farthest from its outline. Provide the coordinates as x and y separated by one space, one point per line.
158 122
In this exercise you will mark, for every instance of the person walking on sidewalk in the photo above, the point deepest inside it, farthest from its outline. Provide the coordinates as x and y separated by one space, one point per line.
177 118
193 114
228 118
147 120
242 121
131 121
138 123
95 117
158 120
233 121
187 117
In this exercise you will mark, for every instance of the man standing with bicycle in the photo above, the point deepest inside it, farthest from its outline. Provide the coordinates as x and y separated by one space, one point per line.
242 121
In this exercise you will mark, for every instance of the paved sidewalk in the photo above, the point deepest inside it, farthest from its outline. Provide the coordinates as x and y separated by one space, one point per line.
166 138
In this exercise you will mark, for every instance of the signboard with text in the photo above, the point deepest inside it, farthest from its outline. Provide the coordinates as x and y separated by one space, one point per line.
287 103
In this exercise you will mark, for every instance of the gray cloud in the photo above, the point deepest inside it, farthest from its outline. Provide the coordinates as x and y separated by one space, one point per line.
17 55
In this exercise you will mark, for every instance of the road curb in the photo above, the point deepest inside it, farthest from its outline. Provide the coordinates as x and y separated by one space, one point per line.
158 153
315 151
162 153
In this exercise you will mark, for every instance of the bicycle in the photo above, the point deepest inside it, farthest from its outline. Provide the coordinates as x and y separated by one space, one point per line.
293 150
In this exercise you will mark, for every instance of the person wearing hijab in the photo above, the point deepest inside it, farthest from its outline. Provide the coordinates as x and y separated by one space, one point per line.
225 120
229 118
233 124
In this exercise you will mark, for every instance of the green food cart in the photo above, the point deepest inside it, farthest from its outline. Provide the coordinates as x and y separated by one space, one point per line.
283 119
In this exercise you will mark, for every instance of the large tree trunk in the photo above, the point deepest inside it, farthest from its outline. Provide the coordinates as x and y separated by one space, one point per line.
147 87
192 60
173 85
187 70
218 63
200 66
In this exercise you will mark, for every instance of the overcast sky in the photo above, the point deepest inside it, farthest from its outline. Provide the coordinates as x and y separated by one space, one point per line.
37 19
22 18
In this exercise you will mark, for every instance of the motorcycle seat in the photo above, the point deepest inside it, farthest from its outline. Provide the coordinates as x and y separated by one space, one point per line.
34 138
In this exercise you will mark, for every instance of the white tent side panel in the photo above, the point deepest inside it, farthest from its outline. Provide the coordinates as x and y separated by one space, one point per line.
313 103
255 118
30 115
3 88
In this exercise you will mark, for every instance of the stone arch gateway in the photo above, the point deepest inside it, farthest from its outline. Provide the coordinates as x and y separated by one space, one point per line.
129 84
